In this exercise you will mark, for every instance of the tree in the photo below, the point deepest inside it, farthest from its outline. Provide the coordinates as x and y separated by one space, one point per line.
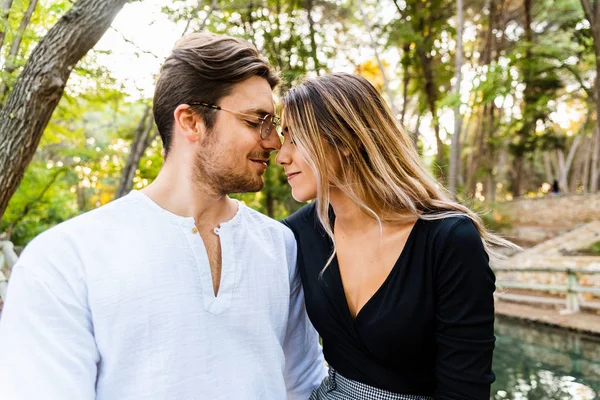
592 14
16 44
455 147
141 141
143 136
4 12
41 84
422 24
386 84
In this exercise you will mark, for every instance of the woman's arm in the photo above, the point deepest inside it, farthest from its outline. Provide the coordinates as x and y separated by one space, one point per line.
464 336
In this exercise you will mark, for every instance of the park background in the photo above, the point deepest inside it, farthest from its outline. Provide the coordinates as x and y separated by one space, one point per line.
501 98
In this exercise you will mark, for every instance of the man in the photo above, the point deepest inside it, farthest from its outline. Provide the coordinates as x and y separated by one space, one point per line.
177 291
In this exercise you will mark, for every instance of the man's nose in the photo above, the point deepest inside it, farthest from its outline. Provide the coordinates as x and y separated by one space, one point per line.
272 142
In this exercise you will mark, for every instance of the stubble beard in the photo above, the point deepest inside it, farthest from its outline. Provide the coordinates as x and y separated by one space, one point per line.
223 178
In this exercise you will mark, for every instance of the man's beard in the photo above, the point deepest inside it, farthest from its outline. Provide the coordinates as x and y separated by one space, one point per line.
223 179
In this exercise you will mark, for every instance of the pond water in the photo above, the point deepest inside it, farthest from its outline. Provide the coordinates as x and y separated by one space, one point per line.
537 362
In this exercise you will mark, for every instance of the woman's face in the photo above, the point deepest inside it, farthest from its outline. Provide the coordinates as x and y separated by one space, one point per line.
300 175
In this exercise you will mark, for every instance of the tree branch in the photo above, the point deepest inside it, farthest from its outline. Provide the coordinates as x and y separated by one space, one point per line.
40 86
29 204
6 6
133 44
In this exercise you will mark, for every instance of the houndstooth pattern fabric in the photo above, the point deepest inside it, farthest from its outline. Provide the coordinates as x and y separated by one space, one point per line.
336 387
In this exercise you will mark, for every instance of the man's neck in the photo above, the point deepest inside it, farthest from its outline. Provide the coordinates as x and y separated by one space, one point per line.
177 192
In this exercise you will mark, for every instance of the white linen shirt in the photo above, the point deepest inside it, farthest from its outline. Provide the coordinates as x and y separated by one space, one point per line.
118 304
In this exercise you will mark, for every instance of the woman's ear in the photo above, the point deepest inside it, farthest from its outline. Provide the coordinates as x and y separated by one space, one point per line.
188 123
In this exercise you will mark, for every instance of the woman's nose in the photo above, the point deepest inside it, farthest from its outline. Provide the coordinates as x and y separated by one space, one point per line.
283 156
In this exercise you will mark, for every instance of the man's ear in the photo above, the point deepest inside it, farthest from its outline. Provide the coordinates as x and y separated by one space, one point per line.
189 123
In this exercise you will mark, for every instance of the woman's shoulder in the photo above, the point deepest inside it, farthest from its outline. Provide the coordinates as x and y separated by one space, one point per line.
449 230
301 219
455 240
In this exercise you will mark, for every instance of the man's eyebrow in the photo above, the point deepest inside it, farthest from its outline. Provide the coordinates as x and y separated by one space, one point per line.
259 112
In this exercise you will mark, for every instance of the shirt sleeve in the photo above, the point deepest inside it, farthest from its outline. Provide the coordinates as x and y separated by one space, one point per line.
465 339
304 366
47 347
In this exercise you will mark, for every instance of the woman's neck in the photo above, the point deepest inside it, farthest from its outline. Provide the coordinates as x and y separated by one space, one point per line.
349 217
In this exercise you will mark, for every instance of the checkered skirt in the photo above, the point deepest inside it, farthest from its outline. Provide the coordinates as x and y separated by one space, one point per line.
336 387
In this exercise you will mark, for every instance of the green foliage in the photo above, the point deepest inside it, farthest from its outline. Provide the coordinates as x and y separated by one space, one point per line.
514 95
494 215
42 201
592 250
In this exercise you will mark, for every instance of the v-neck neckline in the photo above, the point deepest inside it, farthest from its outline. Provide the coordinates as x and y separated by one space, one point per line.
340 282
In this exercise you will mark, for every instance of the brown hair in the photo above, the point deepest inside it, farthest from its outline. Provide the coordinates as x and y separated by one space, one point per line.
204 67
380 170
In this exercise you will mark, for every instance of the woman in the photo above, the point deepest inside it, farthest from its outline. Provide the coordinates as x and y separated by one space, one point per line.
396 275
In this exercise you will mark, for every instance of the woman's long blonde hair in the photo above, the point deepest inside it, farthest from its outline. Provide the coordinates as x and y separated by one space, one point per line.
379 168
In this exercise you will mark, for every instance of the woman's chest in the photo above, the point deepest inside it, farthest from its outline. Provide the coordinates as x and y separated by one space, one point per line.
396 319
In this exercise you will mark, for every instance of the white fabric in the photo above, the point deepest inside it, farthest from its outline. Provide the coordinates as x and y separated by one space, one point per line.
118 304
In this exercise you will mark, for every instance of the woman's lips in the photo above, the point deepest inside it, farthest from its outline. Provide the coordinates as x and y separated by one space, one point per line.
291 175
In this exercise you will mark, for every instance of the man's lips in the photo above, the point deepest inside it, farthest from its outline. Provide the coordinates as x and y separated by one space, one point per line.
260 161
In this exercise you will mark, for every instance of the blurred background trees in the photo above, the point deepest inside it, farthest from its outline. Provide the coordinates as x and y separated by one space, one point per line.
521 113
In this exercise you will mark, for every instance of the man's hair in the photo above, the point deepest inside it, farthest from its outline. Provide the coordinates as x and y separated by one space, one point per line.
204 67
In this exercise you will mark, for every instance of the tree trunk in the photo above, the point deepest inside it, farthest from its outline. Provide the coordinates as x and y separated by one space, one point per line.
566 167
500 166
548 167
518 176
490 184
416 132
555 165
475 156
386 83
431 93
562 174
594 163
577 168
41 85
142 137
138 146
313 42
4 13
585 175
455 148
405 82
592 14
10 65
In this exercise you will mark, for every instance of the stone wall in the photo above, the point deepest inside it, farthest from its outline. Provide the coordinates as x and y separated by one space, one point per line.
536 220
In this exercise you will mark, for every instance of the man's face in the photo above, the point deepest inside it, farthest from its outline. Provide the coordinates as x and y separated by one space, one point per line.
232 157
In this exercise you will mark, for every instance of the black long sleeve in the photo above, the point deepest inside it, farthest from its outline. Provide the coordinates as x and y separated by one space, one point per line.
428 330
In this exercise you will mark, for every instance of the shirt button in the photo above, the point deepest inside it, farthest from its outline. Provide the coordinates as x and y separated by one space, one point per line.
194 230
